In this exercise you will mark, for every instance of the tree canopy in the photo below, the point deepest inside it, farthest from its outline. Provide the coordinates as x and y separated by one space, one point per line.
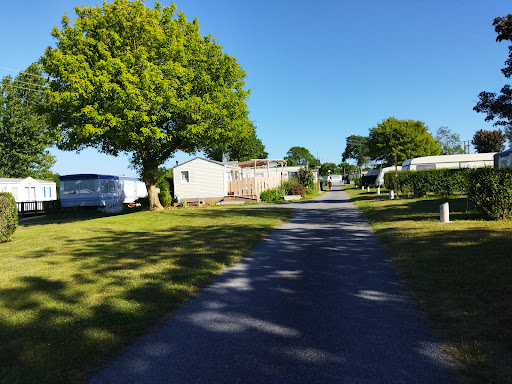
489 141
407 138
347 168
356 149
499 107
24 133
240 149
130 79
300 156
326 167
448 141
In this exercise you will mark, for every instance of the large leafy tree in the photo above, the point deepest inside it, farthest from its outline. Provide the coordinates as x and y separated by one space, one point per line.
130 79
406 138
499 107
448 141
356 149
347 168
24 133
240 149
300 156
326 167
489 141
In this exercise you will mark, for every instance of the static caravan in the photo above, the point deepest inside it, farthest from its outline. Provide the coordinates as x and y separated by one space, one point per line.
473 160
379 173
202 179
103 191
29 189
503 159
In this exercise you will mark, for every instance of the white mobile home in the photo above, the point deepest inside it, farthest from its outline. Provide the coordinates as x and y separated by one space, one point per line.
29 189
211 181
473 160
380 172
202 179
94 190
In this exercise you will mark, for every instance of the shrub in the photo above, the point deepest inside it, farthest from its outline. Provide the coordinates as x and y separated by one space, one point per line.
297 189
490 190
8 216
272 195
441 182
165 198
306 178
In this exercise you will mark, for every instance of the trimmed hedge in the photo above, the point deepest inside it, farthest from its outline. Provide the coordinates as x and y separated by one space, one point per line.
490 190
441 182
8 216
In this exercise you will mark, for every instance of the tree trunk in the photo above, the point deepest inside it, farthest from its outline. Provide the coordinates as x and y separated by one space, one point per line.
154 201
149 178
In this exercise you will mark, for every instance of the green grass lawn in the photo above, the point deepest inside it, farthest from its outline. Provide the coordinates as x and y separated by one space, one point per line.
73 290
460 273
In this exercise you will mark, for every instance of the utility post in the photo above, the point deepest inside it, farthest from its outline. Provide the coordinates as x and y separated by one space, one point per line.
396 178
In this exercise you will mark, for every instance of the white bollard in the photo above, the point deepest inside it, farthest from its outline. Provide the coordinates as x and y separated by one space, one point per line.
391 195
378 190
368 189
445 213
362 187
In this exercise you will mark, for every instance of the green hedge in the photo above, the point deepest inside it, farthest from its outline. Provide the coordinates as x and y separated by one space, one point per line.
441 182
8 216
490 190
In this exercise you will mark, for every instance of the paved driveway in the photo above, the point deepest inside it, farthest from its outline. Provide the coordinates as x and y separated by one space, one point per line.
317 302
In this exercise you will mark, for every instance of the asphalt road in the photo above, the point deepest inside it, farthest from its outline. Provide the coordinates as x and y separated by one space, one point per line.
317 302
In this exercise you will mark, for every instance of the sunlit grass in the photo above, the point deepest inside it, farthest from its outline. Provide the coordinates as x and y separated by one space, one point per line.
73 291
460 273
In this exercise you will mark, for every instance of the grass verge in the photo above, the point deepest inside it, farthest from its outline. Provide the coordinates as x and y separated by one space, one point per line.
460 273
73 292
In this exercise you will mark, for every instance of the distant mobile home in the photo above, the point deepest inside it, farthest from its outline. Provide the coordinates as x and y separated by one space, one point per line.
29 189
503 159
473 160
199 178
95 190
212 181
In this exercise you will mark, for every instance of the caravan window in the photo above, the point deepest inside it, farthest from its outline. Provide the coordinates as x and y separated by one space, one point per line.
419 167
185 177
69 187
108 186
87 186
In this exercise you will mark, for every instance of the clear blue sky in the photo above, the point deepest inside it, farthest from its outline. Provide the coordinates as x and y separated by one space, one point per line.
320 70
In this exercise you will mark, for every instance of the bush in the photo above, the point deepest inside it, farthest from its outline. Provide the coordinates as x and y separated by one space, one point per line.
8 216
490 190
272 195
297 189
165 198
306 178
441 182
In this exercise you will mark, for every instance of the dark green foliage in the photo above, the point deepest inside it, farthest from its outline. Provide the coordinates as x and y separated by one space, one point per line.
497 107
8 216
441 182
24 133
300 156
369 180
490 190
326 167
241 149
489 141
306 177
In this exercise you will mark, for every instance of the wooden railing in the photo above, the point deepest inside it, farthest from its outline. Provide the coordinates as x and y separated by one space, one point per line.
29 208
252 187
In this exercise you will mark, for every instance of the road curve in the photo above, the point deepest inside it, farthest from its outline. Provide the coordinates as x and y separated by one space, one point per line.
317 302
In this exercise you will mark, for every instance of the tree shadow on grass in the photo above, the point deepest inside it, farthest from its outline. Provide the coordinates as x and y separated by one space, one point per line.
120 282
